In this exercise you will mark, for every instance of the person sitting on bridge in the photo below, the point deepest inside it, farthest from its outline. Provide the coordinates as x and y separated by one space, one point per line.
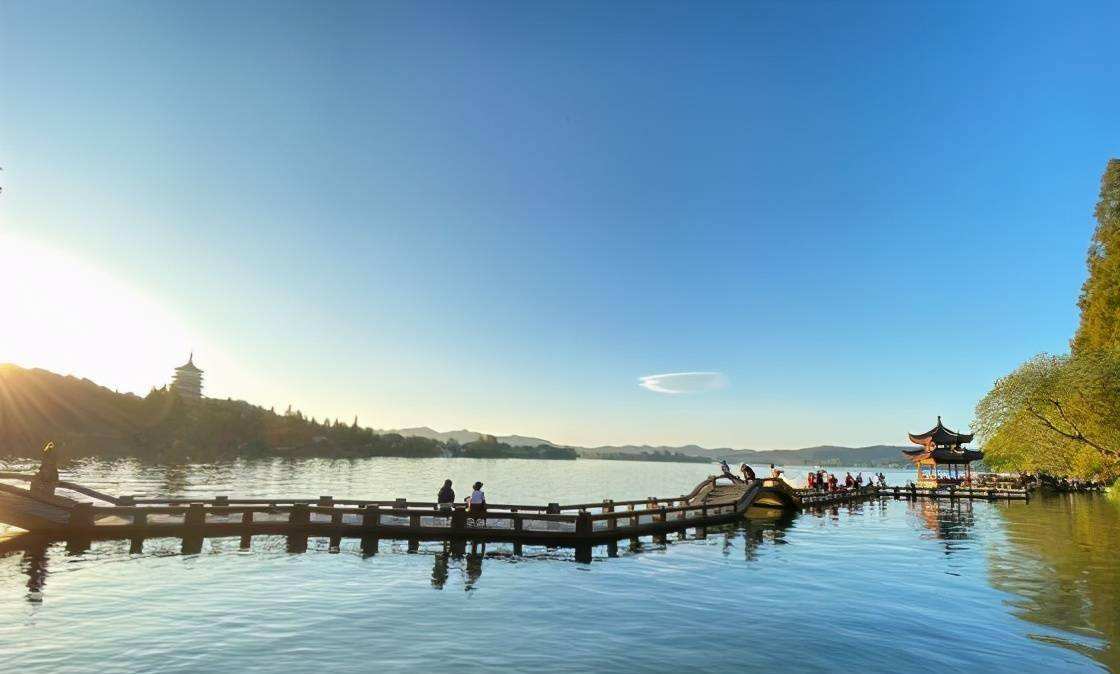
775 472
882 480
446 496
859 480
748 473
849 481
811 481
477 500
476 505
832 481
726 470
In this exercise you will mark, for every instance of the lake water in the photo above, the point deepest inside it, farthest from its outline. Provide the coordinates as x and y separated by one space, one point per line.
879 586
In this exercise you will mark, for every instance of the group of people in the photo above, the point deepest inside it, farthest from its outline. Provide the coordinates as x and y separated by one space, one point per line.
476 502
747 472
819 480
824 481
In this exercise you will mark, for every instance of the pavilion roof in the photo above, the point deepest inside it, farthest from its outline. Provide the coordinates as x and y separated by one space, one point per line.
943 455
939 436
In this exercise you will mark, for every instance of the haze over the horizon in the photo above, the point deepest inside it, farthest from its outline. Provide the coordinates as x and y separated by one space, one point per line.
763 225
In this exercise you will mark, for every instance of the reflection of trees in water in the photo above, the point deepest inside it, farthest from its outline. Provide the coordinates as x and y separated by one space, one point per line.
1061 563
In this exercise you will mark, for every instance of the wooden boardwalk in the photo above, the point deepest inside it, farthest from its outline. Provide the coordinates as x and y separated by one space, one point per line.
77 511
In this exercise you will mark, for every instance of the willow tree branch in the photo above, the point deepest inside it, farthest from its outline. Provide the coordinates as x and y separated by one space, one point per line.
1076 436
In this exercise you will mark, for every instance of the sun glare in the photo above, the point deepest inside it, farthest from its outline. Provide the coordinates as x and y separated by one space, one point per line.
66 316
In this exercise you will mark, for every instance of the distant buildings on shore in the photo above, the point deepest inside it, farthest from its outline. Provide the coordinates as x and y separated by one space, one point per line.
187 381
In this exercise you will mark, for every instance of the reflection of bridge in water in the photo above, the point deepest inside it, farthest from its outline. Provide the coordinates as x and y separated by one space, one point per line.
67 511
450 565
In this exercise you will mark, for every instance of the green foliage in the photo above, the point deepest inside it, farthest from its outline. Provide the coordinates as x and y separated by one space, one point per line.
1055 414
85 419
1100 296
488 447
1061 414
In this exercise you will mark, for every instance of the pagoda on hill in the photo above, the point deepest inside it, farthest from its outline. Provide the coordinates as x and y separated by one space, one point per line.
941 457
187 381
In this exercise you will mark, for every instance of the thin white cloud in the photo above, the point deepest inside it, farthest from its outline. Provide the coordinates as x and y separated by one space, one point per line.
683 382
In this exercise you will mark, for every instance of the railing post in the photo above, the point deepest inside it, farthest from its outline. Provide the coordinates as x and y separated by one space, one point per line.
247 518
221 501
196 515
370 524
299 515
370 517
126 501
458 520
401 504
583 523
518 523
553 509
608 507
81 516
326 502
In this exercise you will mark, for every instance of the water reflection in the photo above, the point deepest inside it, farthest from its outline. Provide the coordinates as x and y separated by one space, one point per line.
448 558
949 521
1061 568
34 565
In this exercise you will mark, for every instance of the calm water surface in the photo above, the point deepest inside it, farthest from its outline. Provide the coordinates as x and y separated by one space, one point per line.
880 586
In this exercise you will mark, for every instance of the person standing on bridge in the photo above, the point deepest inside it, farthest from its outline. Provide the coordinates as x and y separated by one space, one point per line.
47 477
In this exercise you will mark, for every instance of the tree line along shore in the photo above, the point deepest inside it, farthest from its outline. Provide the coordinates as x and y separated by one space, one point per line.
1059 414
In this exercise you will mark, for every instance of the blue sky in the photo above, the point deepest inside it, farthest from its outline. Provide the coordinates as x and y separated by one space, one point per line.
502 216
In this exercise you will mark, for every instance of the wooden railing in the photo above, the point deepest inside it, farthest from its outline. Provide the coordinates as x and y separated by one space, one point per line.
398 516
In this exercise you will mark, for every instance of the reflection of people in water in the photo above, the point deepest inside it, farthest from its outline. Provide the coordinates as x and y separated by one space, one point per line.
34 564
474 565
439 570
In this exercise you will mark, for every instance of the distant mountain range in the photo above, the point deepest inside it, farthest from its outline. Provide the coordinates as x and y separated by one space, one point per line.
90 420
873 455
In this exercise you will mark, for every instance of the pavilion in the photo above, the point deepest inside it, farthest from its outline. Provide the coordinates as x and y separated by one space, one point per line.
941 457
